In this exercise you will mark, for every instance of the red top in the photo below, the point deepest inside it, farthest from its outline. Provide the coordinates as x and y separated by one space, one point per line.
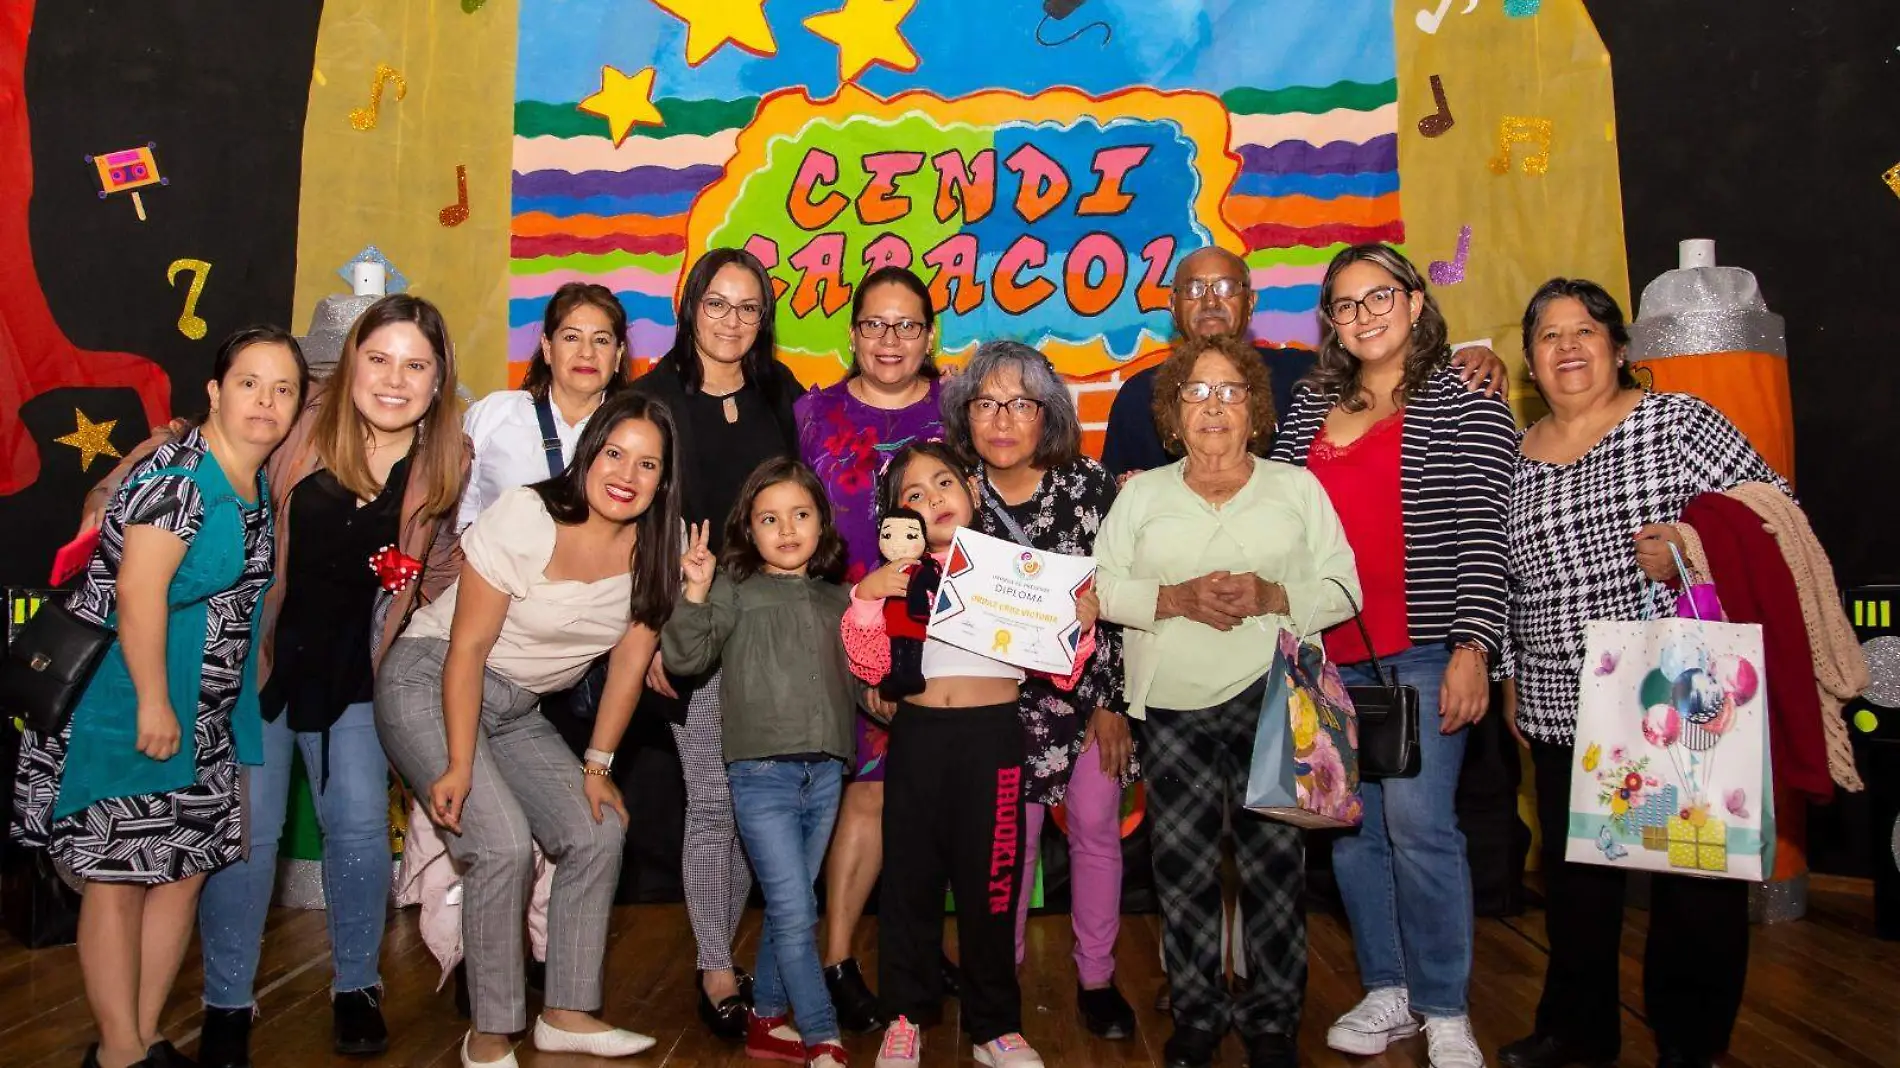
1362 480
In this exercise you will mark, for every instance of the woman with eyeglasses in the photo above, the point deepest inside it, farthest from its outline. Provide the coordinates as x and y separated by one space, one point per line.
1013 417
732 402
1419 470
1203 562
846 431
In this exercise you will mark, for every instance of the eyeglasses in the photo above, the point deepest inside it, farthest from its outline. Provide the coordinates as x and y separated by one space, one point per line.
875 329
1228 392
1223 287
718 307
1345 310
985 408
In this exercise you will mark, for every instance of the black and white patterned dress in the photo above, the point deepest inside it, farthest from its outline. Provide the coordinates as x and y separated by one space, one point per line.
1572 540
165 837
1063 516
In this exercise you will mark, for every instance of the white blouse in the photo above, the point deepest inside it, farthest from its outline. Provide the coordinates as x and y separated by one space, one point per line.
553 629
508 452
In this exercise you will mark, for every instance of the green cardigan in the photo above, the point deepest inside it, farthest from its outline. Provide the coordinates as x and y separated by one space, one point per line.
102 756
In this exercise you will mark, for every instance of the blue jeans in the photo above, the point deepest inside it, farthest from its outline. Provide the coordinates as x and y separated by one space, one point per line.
1403 876
353 809
785 810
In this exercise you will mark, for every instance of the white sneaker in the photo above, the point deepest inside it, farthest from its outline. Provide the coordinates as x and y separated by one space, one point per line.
1009 1051
903 1045
1383 1015
1450 1043
615 1043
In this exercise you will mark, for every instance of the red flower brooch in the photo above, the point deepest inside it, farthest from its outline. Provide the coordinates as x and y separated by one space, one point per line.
394 568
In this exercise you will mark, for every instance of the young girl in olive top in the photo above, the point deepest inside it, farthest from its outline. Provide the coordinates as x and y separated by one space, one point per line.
771 609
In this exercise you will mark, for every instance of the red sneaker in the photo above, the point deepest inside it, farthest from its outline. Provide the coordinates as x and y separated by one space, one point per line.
771 1038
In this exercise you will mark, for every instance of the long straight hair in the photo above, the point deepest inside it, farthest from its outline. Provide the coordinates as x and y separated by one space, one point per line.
657 540
758 366
1338 370
340 430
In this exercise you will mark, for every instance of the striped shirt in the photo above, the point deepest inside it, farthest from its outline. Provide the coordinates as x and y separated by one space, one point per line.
1455 457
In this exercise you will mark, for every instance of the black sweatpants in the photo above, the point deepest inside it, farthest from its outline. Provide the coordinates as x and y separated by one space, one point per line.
1694 962
953 813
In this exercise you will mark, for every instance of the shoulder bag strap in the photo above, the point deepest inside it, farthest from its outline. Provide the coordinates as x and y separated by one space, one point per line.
1378 672
1001 511
550 441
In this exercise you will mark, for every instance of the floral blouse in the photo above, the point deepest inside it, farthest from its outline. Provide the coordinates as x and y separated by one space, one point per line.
1062 516
847 441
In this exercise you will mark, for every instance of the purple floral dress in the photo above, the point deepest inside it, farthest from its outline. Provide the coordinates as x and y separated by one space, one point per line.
847 442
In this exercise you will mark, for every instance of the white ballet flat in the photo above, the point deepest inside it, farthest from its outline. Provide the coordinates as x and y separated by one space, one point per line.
469 1062
615 1043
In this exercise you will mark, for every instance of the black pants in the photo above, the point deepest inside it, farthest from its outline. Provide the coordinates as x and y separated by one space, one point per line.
953 813
1694 963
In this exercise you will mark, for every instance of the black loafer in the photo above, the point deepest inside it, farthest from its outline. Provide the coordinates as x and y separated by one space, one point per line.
725 1020
225 1041
1549 1051
858 1009
1271 1049
1190 1047
1105 1012
746 983
162 1054
357 1023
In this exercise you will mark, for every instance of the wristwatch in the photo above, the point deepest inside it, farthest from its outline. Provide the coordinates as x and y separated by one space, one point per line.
595 756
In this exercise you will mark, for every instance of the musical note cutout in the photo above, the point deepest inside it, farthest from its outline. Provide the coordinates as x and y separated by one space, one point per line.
457 213
365 118
1513 129
1472 6
1892 178
1429 21
189 324
1522 9
1450 274
472 6
1435 124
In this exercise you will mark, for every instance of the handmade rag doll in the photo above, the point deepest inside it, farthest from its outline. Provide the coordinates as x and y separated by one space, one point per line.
900 539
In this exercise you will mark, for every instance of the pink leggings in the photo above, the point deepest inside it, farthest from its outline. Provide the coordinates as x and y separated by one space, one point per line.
1093 804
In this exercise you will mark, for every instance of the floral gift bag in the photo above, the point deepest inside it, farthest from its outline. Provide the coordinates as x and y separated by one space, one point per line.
1306 748
1672 770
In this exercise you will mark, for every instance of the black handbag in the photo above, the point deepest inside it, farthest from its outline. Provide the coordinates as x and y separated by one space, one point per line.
48 664
1387 714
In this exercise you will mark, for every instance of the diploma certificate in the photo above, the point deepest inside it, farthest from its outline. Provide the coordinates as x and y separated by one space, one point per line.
1011 603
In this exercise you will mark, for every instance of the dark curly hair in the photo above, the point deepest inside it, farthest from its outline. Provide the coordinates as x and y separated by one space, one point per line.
1337 373
741 558
1173 374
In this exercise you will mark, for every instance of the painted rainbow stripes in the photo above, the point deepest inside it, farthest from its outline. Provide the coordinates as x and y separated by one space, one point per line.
1319 169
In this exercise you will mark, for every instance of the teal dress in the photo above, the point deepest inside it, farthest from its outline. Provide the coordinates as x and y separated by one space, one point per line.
103 810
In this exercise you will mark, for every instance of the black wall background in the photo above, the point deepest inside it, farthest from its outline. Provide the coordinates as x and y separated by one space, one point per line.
221 87
1767 126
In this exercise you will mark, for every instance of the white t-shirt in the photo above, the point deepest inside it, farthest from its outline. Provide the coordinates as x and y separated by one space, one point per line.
553 630
508 452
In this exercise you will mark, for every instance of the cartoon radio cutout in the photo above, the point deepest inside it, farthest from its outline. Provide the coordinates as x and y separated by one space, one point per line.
128 170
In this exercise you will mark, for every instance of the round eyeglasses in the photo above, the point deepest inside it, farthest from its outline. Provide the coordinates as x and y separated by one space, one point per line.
875 329
719 307
1224 287
986 408
1345 310
1228 392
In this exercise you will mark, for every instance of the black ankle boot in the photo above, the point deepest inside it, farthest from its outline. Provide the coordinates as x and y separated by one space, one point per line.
357 1022
1105 1012
858 1009
225 1041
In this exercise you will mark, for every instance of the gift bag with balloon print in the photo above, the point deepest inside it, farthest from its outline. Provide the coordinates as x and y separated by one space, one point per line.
1672 771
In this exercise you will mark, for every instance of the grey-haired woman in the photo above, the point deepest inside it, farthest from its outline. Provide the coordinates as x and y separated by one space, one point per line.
1012 416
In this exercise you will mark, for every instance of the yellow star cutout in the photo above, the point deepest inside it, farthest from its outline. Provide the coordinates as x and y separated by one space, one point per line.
712 23
91 439
866 32
624 102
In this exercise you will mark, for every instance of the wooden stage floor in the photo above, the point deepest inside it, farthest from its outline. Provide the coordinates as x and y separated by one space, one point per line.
1822 992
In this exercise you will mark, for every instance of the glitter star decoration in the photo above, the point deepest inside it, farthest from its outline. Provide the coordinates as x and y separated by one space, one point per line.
93 440
866 32
711 24
625 102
